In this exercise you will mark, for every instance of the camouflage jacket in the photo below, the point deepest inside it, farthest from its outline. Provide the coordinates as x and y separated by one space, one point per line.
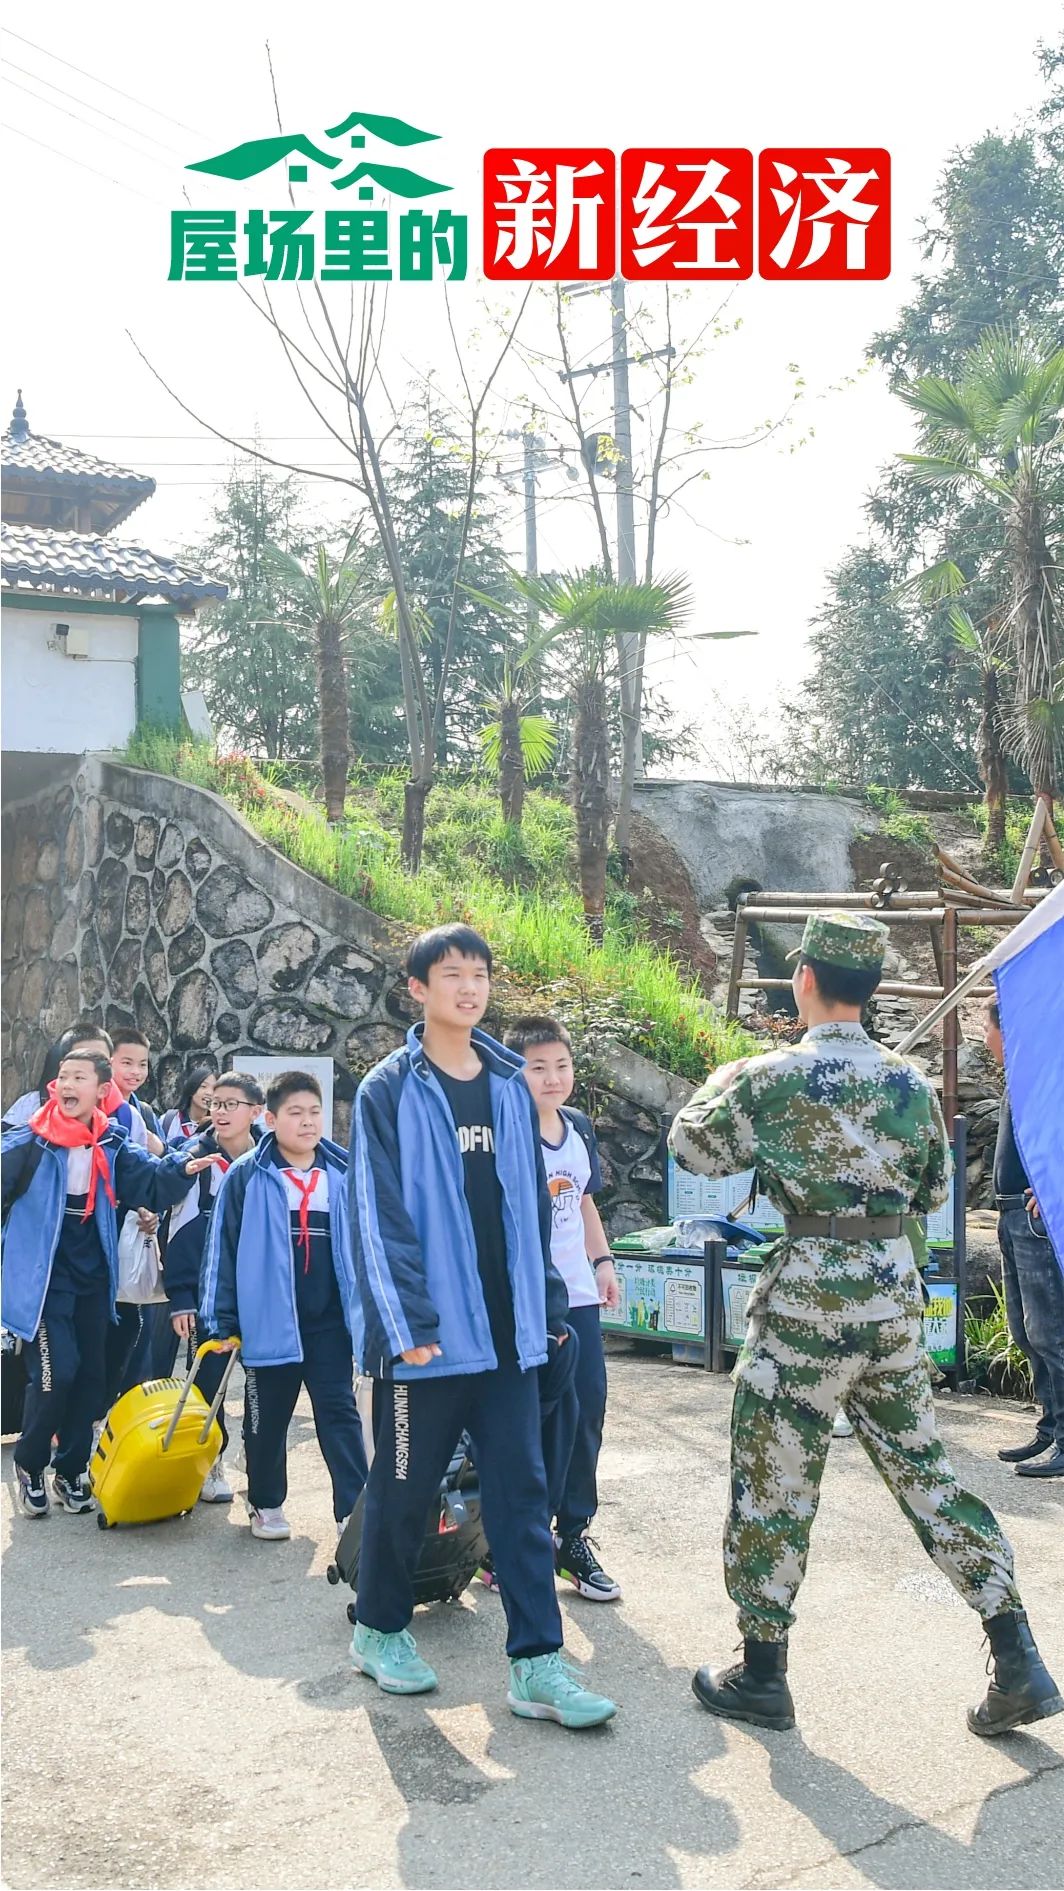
835 1122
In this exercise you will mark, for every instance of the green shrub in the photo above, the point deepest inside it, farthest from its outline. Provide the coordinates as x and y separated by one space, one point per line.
994 1359
898 820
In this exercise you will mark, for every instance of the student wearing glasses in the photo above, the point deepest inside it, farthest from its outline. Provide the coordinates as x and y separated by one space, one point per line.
235 1102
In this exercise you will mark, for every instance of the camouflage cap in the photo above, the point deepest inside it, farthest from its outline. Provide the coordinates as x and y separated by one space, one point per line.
851 940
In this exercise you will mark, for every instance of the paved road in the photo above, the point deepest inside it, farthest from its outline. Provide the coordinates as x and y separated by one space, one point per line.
179 1710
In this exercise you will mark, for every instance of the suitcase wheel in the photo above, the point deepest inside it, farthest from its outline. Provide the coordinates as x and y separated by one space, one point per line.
332 1575
352 1614
101 1521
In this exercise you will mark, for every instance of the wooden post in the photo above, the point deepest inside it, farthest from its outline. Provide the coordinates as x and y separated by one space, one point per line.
1030 848
950 1023
737 958
936 947
1052 841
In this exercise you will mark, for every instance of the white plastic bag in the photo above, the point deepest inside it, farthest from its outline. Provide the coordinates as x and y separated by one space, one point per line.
140 1274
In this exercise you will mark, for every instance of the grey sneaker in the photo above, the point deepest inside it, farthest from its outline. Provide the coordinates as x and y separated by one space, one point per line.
31 1496
216 1488
73 1493
271 1525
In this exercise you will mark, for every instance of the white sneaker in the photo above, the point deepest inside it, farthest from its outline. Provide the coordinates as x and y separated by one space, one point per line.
842 1427
271 1525
216 1489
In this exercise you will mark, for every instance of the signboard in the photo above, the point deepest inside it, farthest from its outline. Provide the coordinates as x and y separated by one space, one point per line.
661 1299
737 1283
266 1070
717 1195
940 1323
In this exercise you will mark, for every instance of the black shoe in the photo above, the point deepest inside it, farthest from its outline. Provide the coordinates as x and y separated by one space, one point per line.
755 1689
575 1561
1021 1688
73 1493
1046 1467
1018 1454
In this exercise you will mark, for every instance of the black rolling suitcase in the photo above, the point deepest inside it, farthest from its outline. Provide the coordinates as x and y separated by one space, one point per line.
12 1386
454 1546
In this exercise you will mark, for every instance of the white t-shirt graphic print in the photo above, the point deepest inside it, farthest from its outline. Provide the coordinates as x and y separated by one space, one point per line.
568 1167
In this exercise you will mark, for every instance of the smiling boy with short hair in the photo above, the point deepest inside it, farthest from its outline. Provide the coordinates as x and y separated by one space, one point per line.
461 1305
278 1273
63 1174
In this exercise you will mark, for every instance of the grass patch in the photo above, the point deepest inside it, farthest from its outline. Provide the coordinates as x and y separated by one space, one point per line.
902 823
994 1359
515 885
1003 863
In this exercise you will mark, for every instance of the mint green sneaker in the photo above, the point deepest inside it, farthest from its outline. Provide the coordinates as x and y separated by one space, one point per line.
391 1660
546 1687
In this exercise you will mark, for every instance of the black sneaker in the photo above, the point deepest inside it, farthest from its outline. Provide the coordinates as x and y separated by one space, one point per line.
74 1494
30 1493
575 1561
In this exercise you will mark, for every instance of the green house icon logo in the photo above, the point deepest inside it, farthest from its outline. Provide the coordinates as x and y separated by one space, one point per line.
299 152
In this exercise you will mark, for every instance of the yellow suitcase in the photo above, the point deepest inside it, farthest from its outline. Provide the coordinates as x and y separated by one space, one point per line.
158 1442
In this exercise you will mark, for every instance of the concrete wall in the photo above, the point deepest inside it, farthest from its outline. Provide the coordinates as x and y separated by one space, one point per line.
68 704
773 837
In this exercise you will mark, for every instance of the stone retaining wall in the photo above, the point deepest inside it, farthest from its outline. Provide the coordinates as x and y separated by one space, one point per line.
132 898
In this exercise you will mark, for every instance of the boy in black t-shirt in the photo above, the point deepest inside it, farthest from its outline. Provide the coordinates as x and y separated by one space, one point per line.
461 1307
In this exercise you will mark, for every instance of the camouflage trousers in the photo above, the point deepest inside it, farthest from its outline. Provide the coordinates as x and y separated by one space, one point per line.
789 1384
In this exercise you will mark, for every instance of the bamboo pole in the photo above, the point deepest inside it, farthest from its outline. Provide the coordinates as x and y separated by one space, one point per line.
890 988
1030 848
737 958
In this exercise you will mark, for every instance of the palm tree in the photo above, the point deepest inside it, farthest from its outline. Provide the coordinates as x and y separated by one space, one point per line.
985 648
586 614
998 430
330 601
517 744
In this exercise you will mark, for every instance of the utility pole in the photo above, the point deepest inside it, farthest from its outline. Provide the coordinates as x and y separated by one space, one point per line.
532 443
628 646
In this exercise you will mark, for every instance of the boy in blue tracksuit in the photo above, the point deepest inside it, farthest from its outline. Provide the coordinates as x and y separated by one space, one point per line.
236 1102
459 1304
63 1174
278 1274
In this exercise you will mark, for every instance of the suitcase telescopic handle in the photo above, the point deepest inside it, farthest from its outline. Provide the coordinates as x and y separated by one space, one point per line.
208 1346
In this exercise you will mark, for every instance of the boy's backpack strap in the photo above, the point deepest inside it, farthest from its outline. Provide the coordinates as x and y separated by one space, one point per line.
581 1124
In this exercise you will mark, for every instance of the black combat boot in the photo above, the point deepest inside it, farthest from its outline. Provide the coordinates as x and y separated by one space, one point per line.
1021 1689
755 1689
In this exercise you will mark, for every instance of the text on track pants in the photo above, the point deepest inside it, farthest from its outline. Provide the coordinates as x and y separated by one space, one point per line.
417 1424
789 1385
66 1374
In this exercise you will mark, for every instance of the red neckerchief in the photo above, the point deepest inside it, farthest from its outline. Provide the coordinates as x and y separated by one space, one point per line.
306 1189
66 1132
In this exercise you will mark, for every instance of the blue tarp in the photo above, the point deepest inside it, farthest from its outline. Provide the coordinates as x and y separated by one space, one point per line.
1029 978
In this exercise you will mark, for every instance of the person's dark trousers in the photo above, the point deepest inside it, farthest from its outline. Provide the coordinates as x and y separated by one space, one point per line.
417 1424
1034 1303
66 1387
121 1344
152 1348
579 1500
270 1395
559 1412
209 1377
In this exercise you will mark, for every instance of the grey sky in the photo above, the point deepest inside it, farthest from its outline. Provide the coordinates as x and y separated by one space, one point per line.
88 253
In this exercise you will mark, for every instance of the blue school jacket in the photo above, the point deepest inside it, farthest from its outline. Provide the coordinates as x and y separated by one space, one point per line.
249 1283
32 1223
415 1251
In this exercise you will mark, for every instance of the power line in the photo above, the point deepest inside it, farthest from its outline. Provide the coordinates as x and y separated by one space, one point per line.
100 130
28 73
55 152
108 87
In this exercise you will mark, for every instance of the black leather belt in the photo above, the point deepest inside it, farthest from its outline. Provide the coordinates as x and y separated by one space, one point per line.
844 1227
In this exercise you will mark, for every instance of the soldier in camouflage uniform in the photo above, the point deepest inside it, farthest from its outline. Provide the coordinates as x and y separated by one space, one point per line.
848 1141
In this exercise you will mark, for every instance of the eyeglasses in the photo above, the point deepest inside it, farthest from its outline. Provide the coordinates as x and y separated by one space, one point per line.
222 1106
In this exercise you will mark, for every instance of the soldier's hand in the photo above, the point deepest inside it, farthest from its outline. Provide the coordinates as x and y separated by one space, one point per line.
727 1073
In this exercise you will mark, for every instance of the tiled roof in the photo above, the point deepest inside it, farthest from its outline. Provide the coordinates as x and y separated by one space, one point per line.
39 560
39 459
